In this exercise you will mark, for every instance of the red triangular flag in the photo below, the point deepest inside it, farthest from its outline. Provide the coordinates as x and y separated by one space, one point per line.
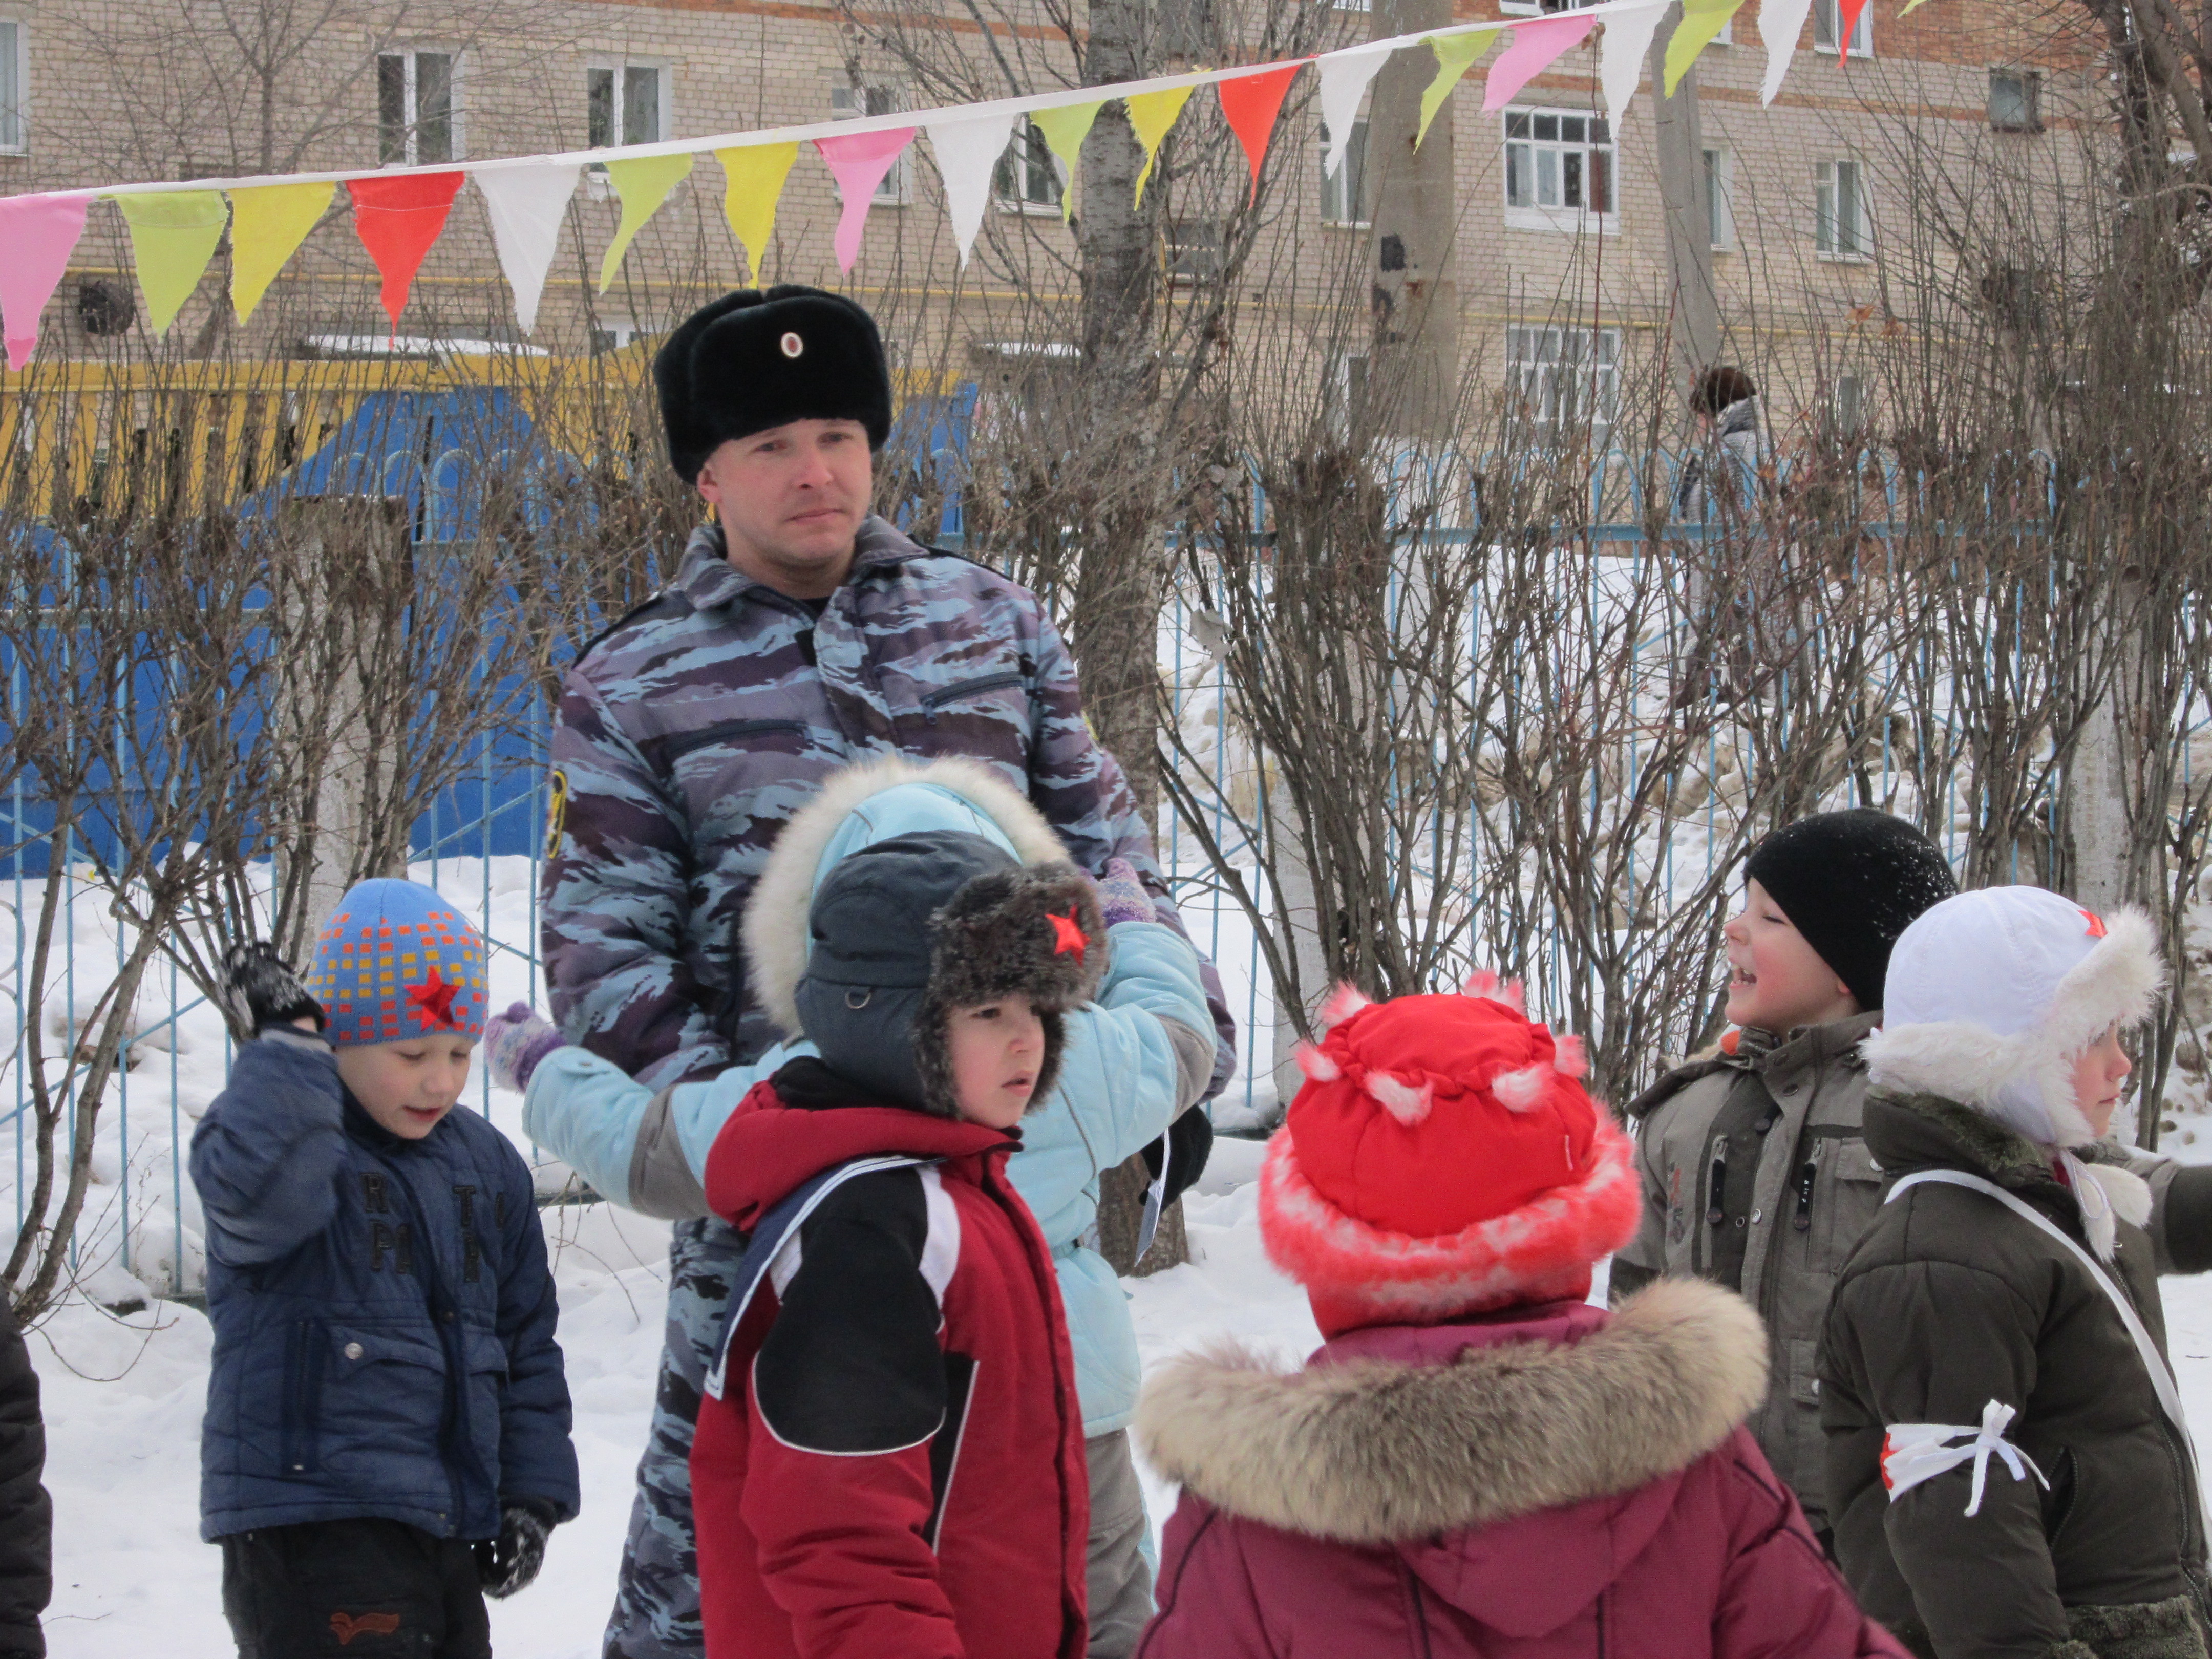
1848 24
398 218
1251 102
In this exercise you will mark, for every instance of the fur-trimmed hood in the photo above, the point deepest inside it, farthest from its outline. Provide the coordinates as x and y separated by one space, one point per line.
846 814
1374 1451
1993 994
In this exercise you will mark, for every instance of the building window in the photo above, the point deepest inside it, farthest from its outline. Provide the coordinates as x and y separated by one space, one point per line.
2015 101
417 111
1827 20
1028 180
1563 377
1842 228
1558 169
1850 402
625 104
15 138
1194 248
1344 191
851 104
1532 7
612 334
1720 197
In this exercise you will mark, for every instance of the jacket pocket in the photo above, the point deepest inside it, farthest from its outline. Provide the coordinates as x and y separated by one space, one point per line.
484 1389
674 747
975 687
987 717
384 1397
1848 1195
306 1346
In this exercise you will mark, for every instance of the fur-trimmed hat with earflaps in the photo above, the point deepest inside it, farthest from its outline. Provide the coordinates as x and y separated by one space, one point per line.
1442 1159
906 931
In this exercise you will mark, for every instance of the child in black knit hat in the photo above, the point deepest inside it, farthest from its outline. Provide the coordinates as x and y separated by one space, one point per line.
1754 1172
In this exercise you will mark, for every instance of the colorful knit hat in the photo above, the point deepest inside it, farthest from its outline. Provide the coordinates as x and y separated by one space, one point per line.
396 961
1442 1160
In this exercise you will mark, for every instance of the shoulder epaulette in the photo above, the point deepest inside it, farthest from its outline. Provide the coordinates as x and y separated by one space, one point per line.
671 601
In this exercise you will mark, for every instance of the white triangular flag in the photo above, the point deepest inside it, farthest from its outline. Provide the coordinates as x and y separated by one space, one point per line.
1620 57
1344 78
1780 23
527 207
967 154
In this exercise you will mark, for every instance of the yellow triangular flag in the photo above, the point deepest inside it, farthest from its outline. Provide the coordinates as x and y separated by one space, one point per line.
643 183
267 225
1151 115
1455 56
752 186
1064 129
1701 20
172 237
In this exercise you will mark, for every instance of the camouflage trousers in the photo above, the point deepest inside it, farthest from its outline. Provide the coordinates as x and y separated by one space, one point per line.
656 1613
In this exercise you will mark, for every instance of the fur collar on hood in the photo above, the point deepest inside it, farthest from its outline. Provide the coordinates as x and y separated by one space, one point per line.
775 931
2118 980
1371 1452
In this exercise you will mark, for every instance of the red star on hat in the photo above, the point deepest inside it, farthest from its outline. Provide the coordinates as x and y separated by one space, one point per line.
433 1002
1067 936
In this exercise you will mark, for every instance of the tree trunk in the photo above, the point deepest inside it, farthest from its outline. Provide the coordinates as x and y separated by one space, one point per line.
1415 367
1679 141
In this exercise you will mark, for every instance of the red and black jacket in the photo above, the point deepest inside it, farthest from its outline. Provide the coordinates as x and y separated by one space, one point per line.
894 1467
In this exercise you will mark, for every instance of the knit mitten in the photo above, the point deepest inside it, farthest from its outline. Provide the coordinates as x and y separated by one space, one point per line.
1122 895
514 1043
258 988
508 1563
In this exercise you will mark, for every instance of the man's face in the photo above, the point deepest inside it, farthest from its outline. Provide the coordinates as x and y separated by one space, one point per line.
791 500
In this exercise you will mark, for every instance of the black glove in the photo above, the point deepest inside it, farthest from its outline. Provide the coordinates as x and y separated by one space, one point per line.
259 989
508 1563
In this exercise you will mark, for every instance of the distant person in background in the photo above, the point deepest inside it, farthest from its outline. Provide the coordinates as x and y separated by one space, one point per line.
1718 482
27 1514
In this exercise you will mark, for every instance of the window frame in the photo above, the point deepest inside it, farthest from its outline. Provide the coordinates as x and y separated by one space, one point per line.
1523 373
1561 218
1827 182
619 70
410 153
1356 197
896 188
2031 84
19 115
1031 139
1719 164
1826 14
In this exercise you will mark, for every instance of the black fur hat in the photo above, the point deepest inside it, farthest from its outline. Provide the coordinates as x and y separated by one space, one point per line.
751 361
906 931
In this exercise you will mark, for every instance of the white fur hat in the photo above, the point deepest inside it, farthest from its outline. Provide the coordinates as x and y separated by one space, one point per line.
1993 994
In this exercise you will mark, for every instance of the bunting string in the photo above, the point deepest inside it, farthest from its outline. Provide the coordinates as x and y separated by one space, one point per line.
398 213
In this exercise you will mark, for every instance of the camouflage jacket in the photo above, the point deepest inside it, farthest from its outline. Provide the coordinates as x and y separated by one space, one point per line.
692 729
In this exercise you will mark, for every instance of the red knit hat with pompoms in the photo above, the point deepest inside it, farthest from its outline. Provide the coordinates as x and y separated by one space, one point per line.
1442 1159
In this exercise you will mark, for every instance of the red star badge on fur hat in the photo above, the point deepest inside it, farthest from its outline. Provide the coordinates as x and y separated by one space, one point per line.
433 1002
1067 936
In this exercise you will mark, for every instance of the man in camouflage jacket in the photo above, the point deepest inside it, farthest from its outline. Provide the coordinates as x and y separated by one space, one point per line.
689 733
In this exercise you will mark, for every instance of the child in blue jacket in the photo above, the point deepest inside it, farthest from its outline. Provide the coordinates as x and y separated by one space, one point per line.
388 1426
1135 1059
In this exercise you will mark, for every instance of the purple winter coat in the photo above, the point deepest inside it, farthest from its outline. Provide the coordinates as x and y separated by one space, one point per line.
1547 1481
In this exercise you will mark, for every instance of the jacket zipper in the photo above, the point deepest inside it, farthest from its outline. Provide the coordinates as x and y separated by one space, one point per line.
673 747
937 699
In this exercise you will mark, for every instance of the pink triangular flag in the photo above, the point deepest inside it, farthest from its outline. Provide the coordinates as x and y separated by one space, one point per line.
859 161
1536 45
1251 103
39 233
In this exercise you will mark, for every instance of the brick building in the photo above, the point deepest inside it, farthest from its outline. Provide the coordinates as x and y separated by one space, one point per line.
1558 256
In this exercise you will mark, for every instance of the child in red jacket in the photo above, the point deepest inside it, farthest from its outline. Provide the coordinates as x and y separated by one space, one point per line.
889 1464
1477 1462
